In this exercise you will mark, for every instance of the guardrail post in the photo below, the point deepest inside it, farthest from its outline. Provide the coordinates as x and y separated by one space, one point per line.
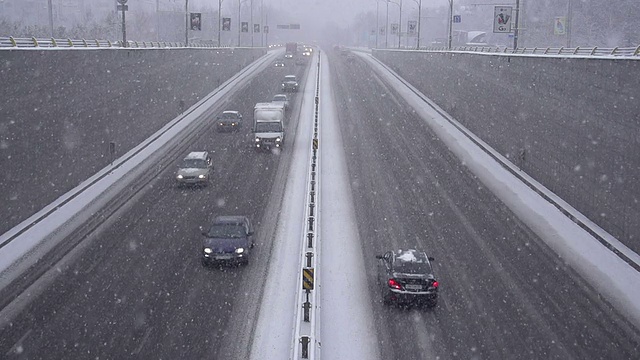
309 257
53 42
35 41
637 51
305 347
310 240
311 219
70 42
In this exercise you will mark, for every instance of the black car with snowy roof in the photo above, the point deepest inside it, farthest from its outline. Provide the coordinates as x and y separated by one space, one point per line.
229 120
406 277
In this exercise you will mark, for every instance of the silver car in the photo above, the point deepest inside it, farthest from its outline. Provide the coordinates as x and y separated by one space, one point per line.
195 169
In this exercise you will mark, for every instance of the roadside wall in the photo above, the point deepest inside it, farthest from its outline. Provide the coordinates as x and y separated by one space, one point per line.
571 123
61 108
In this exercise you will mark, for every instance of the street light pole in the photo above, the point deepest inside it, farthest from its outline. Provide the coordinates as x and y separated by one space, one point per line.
517 24
377 25
239 27
419 20
400 26
50 6
186 30
450 24
386 29
219 20
252 24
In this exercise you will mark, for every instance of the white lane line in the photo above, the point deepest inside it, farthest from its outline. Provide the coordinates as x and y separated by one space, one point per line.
17 347
143 342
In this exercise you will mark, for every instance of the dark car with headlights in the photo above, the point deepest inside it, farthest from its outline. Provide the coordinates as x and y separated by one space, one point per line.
290 83
229 239
229 120
406 277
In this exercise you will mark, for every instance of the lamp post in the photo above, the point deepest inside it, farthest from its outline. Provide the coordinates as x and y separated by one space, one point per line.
50 9
252 24
219 20
377 25
419 2
399 21
186 30
450 24
386 29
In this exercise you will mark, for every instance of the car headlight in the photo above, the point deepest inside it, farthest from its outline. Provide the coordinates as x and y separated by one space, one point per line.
295 84
179 177
221 124
278 139
239 250
202 176
208 250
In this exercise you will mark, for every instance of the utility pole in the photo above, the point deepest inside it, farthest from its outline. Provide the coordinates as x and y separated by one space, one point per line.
377 26
252 24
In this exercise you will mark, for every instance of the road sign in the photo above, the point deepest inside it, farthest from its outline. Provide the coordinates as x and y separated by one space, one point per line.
266 29
294 26
226 24
560 25
457 18
394 28
195 21
122 7
256 28
307 279
244 26
122 2
502 19
283 26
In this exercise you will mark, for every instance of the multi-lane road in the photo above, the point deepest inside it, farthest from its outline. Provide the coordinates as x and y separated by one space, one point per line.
137 290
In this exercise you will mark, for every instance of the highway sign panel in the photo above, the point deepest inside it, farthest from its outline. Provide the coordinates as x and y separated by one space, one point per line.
457 18
307 279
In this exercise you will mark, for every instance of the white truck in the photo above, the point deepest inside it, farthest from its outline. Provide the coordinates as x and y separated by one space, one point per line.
268 125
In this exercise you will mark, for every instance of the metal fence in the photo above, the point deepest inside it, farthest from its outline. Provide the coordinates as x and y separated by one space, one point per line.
577 51
11 42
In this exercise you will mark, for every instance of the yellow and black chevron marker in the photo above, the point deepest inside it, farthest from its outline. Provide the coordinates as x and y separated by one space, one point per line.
315 144
307 279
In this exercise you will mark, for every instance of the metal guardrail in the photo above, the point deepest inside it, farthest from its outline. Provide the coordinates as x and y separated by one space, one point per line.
33 42
578 51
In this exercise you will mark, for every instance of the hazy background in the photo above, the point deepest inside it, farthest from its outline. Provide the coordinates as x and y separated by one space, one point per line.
603 23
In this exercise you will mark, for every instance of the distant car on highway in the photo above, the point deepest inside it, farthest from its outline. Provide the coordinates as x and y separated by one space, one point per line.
281 99
195 169
288 55
229 120
406 277
278 63
229 239
290 83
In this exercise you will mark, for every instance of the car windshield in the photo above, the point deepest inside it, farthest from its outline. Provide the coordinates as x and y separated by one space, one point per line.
227 231
193 164
289 78
268 127
228 116
279 98
411 267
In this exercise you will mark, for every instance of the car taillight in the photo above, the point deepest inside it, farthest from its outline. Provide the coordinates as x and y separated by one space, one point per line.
394 284
435 284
